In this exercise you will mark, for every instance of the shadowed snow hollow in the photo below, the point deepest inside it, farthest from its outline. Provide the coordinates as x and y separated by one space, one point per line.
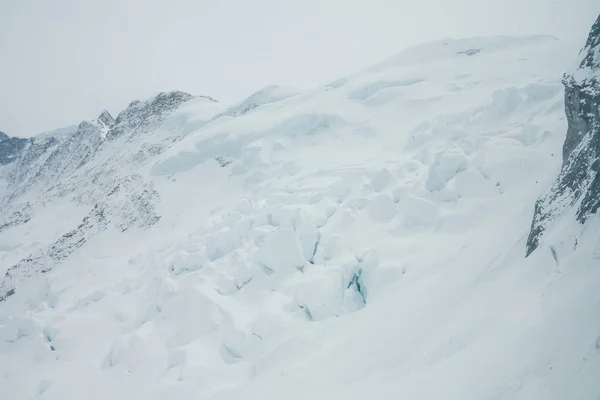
364 239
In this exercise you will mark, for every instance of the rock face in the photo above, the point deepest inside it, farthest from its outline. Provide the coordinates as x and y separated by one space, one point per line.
10 147
579 181
105 121
49 160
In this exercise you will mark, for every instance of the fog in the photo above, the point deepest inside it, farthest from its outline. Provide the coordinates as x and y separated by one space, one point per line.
66 60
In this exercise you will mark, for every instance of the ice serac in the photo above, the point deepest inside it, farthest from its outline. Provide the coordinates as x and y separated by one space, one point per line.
141 117
579 182
10 148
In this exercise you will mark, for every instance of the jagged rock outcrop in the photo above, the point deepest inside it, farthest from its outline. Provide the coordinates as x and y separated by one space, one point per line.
44 259
105 121
19 216
579 181
10 148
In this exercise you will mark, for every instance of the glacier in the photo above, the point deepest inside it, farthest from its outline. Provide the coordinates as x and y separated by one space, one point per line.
364 238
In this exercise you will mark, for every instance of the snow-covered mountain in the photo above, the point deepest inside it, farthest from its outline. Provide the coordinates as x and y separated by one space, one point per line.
365 238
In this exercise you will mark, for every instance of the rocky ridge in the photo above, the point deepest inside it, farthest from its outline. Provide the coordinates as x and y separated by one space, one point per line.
579 181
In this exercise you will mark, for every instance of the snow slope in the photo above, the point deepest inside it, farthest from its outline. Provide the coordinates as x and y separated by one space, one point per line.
362 239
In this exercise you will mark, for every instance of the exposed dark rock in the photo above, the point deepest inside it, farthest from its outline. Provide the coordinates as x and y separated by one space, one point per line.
17 217
470 52
105 121
11 148
579 182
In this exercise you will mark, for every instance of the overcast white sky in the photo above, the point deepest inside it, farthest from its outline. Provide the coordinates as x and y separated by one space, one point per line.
62 61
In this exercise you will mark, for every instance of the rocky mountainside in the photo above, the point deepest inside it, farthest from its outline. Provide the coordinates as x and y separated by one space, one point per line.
95 166
579 181
142 117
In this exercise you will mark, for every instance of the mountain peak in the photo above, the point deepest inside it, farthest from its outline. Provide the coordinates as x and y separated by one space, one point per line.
173 95
106 119
104 122
142 116
162 97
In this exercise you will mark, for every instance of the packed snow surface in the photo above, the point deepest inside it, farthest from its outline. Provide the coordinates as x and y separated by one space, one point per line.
365 239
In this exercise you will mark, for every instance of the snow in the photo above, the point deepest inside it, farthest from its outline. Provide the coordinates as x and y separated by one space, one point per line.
56 133
363 239
265 96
